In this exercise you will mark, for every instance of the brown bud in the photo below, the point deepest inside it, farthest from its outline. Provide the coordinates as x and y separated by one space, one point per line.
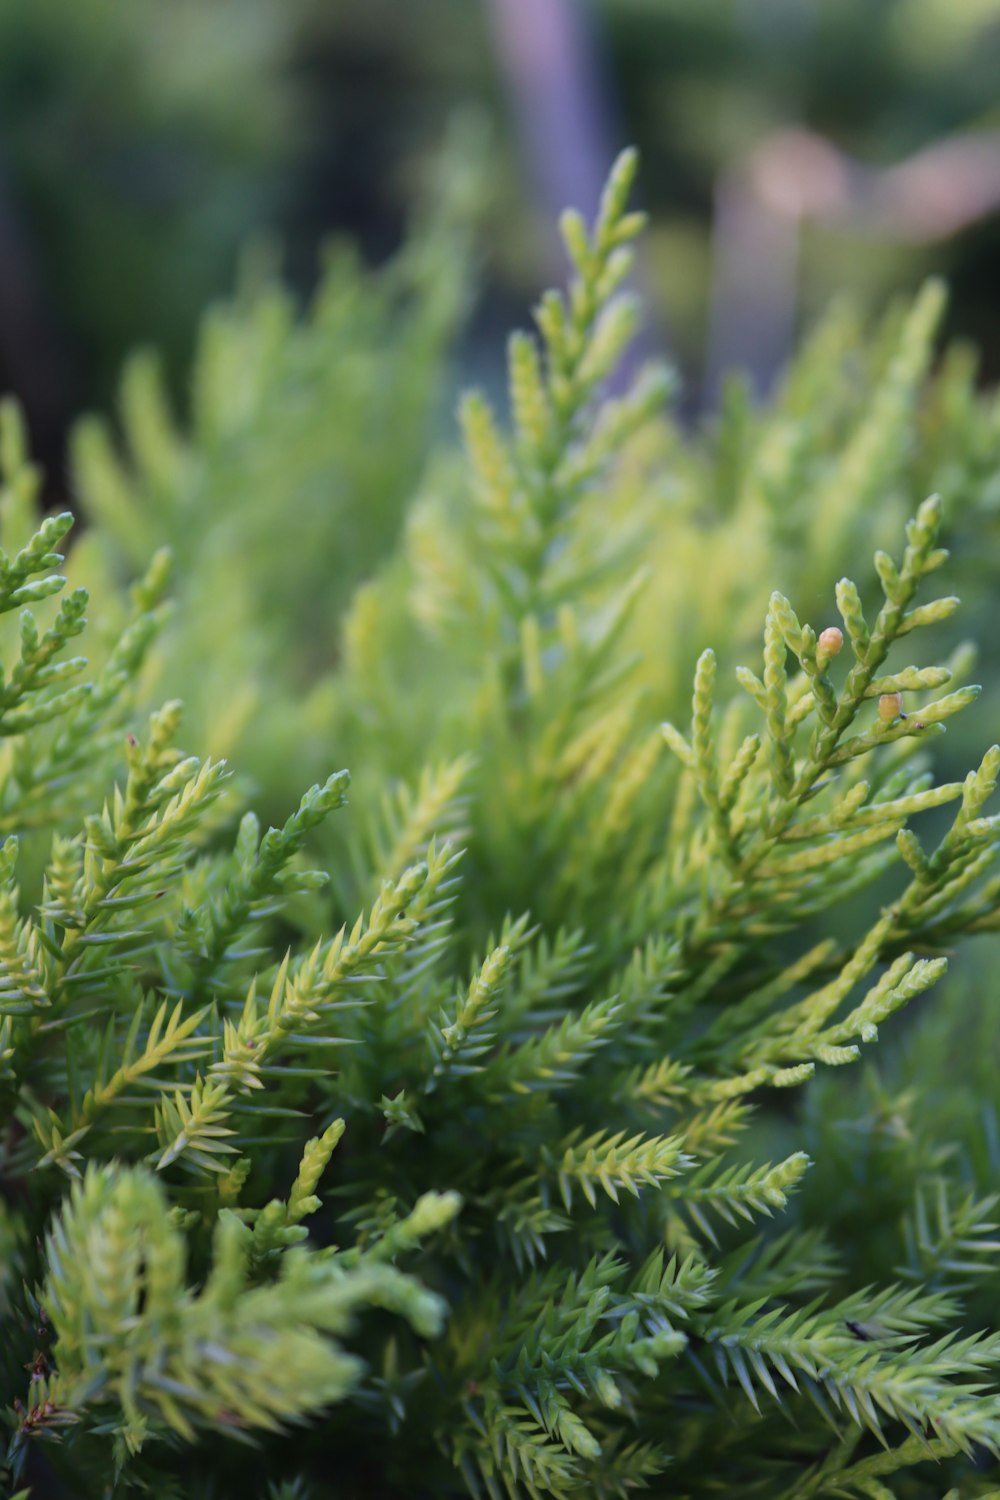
830 641
890 706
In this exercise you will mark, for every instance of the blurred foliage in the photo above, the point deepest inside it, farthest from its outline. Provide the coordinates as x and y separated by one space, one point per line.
312 427
285 487
139 145
137 169
748 68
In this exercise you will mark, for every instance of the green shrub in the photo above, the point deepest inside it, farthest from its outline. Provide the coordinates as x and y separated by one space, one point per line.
481 1181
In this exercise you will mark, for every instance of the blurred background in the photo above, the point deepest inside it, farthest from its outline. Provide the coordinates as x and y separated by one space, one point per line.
792 149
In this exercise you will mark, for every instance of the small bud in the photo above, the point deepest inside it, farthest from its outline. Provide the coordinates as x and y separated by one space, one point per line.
890 706
830 641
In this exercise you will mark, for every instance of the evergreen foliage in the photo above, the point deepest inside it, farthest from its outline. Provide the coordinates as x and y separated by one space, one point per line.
475 1155
288 438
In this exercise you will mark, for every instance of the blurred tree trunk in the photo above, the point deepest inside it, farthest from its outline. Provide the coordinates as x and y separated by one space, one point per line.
562 100
554 76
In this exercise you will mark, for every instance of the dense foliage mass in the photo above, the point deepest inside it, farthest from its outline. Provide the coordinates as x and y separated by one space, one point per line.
481 1132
